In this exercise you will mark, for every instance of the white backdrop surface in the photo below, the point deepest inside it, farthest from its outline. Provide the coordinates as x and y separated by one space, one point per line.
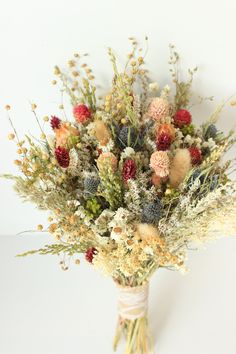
46 311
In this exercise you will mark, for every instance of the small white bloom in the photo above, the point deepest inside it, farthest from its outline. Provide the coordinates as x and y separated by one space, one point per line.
165 91
211 143
205 144
179 134
148 250
153 87
73 203
128 151
91 128
115 236
188 139
108 147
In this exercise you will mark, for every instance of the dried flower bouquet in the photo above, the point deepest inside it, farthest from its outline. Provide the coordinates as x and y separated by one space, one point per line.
130 180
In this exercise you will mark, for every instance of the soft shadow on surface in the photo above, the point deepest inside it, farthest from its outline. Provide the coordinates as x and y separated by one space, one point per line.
164 298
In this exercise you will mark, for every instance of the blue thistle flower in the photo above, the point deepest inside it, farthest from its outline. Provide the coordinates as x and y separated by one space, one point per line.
128 136
91 185
211 131
152 212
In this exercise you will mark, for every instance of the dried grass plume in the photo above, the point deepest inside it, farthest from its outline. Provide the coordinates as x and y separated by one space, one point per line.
180 166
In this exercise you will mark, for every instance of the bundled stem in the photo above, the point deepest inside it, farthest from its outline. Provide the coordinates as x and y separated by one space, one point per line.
137 336
133 321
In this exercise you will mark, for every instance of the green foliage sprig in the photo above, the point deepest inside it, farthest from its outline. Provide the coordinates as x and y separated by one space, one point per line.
56 249
111 187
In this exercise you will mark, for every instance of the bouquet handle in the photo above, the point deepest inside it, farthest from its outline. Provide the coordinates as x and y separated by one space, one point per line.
133 320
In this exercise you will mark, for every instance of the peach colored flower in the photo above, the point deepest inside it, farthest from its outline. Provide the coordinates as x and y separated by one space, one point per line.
107 159
167 129
160 163
64 132
158 108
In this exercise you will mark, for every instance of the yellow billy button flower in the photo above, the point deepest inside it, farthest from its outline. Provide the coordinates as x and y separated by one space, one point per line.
140 60
17 162
57 70
71 63
75 73
11 136
40 227
52 228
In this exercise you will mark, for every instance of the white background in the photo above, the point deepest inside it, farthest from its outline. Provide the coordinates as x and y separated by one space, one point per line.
42 309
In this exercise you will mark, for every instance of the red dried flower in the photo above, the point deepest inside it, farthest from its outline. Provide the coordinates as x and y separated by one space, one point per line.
55 122
163 141
62 156
196 155
182 117
81 113
129 170
90 253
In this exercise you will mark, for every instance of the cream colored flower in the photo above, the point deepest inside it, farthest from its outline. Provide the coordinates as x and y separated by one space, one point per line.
153 86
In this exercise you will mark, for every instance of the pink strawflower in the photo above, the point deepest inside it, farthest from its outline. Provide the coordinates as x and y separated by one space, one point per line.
81 113
160 163
158 108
